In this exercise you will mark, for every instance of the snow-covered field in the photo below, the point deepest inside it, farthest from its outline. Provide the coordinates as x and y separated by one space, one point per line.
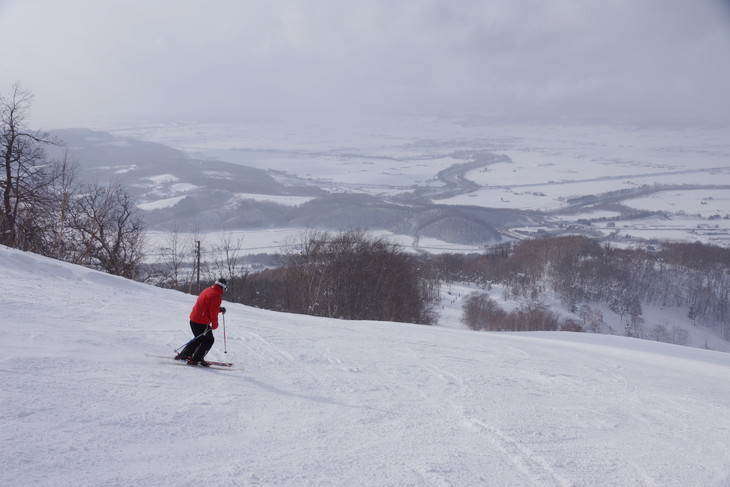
277 240
548 165
336 403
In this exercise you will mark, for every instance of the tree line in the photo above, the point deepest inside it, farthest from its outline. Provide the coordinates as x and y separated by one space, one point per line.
346 275
349 275
45 208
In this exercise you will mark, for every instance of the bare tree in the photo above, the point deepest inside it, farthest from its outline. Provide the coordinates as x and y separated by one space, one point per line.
66 185
352 277
43 226
24 173
109 230
227 257
174 258
659 333
480 312
592 319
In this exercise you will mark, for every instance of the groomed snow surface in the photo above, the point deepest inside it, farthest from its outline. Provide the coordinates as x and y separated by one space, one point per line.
335 403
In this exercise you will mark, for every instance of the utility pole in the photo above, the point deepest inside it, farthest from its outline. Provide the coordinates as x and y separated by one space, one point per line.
197 254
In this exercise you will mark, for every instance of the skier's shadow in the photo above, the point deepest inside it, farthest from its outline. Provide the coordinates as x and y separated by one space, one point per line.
318 399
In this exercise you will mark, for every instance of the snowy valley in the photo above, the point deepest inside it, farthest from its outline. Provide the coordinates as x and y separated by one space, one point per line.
433 182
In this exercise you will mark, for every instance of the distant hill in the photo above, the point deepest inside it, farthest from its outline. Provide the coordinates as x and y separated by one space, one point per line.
179 191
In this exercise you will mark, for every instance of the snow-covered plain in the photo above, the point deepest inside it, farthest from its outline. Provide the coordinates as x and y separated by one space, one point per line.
336 403
278 240
548 165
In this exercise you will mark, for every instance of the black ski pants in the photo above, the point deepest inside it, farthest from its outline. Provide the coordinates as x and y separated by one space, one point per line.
198 348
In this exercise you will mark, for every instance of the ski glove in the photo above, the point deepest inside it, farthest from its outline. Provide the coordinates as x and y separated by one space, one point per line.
223 310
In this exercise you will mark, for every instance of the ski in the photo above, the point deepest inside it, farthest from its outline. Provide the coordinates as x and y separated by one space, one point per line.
213 364
220 364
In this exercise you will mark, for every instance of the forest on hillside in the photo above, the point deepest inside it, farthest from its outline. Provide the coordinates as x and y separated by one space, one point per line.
351 276
583 273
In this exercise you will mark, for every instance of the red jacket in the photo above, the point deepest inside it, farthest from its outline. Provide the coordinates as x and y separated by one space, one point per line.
207 307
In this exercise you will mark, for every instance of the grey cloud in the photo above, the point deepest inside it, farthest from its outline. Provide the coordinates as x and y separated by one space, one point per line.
170 59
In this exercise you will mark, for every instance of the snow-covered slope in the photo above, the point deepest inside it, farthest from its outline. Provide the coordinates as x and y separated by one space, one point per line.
335 403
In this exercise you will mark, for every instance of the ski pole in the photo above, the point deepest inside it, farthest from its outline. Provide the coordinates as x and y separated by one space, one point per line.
177 350
225 345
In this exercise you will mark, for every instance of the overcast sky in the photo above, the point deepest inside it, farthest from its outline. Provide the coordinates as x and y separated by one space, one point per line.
91 60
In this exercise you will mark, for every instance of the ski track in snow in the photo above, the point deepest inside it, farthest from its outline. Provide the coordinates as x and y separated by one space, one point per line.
535 469
336 403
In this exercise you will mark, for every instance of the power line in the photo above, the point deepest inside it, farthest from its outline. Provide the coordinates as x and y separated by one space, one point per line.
215 251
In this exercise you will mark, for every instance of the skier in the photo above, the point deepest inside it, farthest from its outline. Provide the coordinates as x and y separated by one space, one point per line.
203 320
